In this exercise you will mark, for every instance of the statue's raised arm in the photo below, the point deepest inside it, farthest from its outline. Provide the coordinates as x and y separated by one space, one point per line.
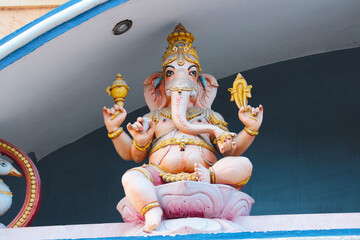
142 130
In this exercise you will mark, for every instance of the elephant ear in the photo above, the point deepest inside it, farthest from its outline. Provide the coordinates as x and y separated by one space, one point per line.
154 91
207 89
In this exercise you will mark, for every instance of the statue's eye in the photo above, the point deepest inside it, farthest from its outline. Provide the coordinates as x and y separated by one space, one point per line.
3 164
192 73
169 73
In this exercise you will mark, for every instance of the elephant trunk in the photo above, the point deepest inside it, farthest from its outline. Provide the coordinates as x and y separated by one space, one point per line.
179 102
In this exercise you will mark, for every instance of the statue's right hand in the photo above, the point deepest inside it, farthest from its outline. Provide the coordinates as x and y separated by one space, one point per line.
110 123
139 132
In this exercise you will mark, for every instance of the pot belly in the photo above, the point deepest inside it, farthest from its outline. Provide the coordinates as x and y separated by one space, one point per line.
174 160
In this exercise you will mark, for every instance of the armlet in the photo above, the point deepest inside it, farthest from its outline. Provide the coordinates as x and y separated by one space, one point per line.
211 118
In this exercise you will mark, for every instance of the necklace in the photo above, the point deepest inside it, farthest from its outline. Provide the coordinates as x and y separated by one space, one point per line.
190 114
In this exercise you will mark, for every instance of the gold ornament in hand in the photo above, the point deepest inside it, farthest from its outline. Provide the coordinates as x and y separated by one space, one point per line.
240 92
118 90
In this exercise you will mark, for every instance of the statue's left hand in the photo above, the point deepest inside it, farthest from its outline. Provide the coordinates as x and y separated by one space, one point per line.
254 121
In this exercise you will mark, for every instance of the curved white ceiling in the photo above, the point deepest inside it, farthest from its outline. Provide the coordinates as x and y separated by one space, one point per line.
54 94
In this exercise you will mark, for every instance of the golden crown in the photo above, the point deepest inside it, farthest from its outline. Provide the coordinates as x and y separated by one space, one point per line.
180 48
180 34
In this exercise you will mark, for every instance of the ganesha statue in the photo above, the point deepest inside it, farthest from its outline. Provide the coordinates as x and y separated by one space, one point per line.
181 134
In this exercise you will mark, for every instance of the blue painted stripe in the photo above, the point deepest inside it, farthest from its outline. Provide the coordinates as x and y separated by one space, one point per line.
53 33
246 235
40 19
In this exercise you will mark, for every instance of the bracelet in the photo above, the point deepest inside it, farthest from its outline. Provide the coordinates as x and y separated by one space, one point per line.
251 132
149 206
143 149
212 175
116 133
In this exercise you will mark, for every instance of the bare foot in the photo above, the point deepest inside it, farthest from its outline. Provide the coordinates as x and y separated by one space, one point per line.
202 173
152 219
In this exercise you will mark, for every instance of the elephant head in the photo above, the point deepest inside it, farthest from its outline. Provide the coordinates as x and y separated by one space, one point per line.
181 83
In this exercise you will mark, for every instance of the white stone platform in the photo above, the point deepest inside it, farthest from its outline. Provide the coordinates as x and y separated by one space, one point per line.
252 227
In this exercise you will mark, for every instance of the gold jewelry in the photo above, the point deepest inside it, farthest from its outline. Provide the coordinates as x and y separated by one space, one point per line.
116 133
144 148
173 177
240 92
7 193
180 89
165 113
190 114
223 137
170 177
118 90
210 117
251 132
154 116
182 142
242 183
144 172
180 48
212 175
149 206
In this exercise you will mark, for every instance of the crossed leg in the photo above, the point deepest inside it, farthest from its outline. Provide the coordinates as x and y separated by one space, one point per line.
234 171
140 191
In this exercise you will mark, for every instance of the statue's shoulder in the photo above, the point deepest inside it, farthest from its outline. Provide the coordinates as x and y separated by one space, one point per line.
216 119
154 115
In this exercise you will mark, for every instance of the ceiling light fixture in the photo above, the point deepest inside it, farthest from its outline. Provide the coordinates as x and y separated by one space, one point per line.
122 27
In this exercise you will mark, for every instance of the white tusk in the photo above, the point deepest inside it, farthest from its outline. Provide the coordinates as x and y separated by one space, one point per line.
193 93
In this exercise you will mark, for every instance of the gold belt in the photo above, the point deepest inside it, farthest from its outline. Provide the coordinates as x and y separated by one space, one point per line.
182 142
173 177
